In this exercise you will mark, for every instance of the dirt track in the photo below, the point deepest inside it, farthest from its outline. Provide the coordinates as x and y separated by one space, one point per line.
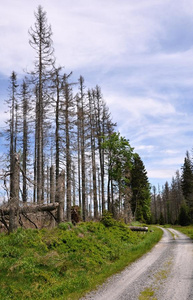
165 273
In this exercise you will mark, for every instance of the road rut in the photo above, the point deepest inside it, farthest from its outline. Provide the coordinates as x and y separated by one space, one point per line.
165 273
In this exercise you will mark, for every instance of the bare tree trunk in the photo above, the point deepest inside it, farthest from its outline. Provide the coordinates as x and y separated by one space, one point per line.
82 150
25 138
35 150
74 186
97 94
127 206
57 80
60 196
112 199
14 195
92 142
99 192
78 145
67 114
52 185
109 194
42 43
57 134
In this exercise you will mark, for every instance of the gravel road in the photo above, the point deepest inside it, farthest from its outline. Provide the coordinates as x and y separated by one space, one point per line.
165 273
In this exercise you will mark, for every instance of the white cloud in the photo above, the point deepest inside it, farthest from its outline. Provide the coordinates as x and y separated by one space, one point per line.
147 148
158 177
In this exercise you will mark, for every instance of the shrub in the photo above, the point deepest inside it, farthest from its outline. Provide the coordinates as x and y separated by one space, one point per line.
65 226
107 219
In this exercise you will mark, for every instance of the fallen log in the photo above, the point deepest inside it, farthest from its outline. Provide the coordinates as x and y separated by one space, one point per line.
31 208
137 228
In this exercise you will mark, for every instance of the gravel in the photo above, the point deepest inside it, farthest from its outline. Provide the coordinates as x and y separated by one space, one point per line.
166 272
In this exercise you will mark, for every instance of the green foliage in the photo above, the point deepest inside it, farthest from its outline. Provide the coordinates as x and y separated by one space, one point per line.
161 219
141 196
65 226
188 230
120 155
64 263
107 219
187 183
184 218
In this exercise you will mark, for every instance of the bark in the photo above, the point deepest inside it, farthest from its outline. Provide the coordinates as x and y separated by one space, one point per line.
52 185
82 150
136 228
60 196
78 149
57 134
25 108
98 110
93 147
12 129
42 43
14 195
68 156
74 186
27 208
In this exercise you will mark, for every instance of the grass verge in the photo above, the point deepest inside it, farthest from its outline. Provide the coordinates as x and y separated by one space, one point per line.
188 230
67 262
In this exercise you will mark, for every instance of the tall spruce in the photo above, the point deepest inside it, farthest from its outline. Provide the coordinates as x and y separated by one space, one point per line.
141 199
41 42
187 182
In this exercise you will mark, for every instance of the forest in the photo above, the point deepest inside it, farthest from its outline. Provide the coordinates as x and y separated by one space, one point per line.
64 155
174 203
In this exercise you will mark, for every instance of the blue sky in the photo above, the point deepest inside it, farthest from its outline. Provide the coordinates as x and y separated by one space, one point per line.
139 52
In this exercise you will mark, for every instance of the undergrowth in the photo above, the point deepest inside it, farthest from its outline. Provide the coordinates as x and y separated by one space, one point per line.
66 262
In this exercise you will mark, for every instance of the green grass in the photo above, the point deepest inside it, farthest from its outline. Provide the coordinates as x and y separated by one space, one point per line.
147 294
66 262
188 230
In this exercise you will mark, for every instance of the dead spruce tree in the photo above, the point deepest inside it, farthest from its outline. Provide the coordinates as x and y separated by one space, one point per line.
68 113
14 194
11 133
41 42
93 151
25 131
82 121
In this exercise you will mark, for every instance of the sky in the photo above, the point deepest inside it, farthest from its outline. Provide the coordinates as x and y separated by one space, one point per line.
139 52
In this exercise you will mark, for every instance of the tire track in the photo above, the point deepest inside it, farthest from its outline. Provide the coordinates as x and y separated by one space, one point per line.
165 273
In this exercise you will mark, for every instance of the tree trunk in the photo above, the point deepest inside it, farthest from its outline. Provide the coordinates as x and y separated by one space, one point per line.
78 146
82 150
92 142
14 195
60 196
52 185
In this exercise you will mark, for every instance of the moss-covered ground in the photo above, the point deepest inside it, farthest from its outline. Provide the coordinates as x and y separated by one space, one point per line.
66 262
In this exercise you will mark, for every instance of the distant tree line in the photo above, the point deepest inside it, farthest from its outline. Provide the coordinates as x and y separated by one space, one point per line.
69 151
174 203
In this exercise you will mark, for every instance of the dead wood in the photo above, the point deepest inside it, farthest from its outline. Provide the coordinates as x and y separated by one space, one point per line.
27 208
137 228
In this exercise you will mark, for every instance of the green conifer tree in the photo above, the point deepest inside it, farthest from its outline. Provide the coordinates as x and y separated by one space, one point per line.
141 199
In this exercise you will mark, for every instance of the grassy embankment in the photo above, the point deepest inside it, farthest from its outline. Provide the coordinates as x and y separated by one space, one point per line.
64 263
188 230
